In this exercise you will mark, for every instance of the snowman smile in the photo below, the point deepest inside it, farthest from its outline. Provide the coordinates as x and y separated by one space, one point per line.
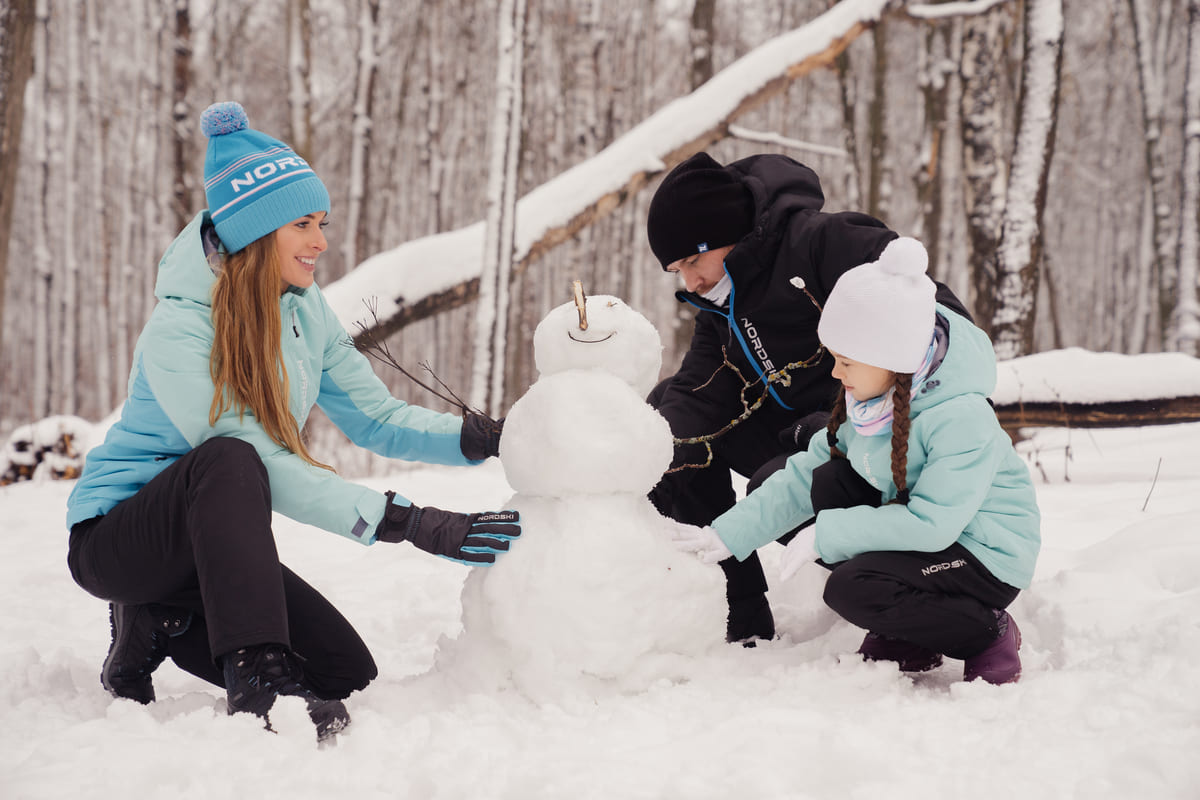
591 341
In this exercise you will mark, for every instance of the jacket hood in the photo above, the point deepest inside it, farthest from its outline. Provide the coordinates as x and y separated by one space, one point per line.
184 271
780 187
969 366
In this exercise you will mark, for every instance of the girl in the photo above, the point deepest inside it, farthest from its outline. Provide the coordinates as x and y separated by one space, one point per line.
925 515
171 519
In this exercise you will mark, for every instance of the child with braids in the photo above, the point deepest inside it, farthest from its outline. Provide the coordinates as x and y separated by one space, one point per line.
914 499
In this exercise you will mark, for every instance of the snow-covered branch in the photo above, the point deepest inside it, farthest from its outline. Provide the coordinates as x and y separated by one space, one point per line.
763 137
947 10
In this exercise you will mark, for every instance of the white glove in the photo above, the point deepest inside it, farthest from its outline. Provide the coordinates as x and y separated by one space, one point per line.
799 551
703 542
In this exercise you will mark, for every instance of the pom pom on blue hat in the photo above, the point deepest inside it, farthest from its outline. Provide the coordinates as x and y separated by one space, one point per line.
222 118
254 184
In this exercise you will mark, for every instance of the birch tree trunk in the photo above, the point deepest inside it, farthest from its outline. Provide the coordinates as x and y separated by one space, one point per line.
1020 249
983 153
879 189
1187 314
299 22
68 290
933 78
99 221
181 73
42 271
1149 40
360 148
491 322
16 66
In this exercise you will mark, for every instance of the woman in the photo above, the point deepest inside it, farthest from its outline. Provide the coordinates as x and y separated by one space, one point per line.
925 515
171 518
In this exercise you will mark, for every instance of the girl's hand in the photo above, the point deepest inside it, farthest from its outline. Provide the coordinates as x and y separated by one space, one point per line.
799 551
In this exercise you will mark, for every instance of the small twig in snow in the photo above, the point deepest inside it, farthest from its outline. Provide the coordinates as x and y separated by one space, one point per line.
1152 484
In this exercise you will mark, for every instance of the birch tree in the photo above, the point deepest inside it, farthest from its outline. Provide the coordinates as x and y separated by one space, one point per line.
935 71
68 270
491 320
181 115
983 152
1186 327
1020 250
98 218
1151 29
360 137
16 65
42 270
299 25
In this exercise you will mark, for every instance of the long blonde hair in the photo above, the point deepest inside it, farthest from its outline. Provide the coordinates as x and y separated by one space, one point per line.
246 361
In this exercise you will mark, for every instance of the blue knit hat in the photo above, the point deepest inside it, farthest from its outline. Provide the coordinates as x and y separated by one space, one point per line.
253 183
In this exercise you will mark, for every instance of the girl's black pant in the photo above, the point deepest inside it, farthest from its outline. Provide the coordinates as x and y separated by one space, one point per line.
198 536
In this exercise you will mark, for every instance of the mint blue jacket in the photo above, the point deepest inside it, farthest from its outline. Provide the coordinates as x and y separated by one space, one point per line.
966 482
170 391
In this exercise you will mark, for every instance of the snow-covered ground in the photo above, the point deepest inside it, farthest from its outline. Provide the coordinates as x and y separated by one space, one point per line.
1108 706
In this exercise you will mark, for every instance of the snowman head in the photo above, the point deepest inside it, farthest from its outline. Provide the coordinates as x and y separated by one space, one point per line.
616 339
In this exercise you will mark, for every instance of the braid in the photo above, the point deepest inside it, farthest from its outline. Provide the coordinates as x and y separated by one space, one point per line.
901 398
837 416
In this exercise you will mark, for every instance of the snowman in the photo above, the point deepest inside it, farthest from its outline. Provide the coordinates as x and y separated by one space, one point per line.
593 595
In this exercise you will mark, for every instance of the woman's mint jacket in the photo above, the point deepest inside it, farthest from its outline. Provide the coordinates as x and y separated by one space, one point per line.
170 391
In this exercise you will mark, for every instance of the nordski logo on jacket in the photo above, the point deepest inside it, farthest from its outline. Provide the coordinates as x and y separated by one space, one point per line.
756 343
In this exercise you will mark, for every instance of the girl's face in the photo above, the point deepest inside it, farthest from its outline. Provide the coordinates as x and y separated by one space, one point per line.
297 245
862 381
702 271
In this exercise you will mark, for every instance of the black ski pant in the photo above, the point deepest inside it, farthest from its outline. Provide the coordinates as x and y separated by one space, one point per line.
198 537
943 601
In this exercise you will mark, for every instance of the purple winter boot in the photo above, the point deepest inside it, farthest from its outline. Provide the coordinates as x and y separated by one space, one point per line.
1000 663
910 657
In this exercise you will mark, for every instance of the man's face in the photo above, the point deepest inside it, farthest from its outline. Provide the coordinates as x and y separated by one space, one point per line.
702 271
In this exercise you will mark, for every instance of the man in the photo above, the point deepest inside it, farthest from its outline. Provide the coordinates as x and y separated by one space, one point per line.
757 257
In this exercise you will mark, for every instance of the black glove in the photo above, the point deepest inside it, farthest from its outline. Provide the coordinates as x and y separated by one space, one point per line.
472 539
796 435
480 436
835 484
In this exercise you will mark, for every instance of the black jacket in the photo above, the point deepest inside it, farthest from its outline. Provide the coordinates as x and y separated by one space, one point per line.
769 322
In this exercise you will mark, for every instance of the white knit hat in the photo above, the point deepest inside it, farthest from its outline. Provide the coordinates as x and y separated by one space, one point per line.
882 313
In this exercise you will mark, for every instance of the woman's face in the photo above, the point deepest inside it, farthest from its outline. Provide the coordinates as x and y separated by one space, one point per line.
297 245
862 381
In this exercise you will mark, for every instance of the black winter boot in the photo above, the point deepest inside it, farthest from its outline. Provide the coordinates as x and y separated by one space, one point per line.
139 645
256 675
750 619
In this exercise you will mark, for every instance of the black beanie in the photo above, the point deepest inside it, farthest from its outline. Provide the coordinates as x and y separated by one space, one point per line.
699 206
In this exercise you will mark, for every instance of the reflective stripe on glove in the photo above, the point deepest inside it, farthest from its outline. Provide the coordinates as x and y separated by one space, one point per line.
472 539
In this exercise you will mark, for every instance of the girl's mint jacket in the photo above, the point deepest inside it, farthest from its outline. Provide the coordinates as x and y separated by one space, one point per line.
966 482
170 391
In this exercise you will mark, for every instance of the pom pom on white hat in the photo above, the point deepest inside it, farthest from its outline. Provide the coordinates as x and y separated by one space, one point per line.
882 313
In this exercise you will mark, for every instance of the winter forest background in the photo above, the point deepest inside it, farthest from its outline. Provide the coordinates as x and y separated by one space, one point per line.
929 118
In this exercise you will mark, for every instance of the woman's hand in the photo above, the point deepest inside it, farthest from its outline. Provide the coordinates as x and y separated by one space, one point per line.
471 539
